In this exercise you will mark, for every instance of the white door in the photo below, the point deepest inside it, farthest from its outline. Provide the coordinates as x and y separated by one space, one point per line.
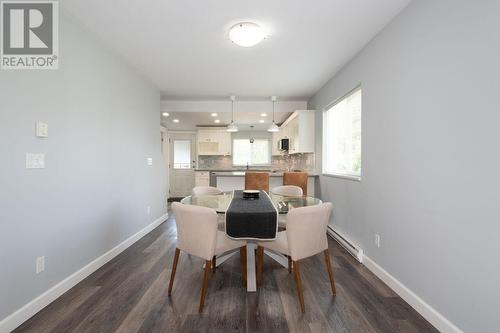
182 163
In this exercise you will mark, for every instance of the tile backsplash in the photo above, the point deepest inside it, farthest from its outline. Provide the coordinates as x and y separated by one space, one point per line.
303 162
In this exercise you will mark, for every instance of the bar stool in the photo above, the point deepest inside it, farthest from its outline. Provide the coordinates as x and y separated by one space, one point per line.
296 178
257 181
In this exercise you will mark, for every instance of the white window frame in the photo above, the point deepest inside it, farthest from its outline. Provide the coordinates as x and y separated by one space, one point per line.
269 142
343 175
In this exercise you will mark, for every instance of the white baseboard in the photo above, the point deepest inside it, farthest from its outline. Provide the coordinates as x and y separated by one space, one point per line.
427 311
12 321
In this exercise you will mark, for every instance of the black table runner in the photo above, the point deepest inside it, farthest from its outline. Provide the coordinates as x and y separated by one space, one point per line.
251 219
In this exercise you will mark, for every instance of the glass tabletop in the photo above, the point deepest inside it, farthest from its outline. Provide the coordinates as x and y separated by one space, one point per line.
220 202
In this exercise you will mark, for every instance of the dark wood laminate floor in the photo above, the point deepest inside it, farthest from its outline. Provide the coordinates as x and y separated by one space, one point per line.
129 294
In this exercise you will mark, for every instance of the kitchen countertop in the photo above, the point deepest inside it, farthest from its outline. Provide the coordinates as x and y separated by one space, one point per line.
242 174
234 170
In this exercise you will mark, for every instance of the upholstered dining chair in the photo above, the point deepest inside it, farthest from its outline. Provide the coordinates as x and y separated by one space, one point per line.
209 190
205 190
257 181
197 235
305 236
288 191
296 178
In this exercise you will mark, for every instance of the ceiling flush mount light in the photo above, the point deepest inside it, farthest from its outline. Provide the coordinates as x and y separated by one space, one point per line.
165 114
246 34
214 114
273 127
232 127
176 120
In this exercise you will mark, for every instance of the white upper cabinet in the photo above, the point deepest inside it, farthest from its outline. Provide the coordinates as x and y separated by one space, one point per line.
300 129
277 136
214 141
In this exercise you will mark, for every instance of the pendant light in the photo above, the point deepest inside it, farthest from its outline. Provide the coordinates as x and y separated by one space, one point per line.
232 127
273 127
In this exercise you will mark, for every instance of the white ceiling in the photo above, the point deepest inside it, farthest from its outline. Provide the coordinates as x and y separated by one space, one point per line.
183 46
190 120
246 112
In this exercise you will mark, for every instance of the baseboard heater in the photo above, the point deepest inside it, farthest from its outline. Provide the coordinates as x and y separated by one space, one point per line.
353 249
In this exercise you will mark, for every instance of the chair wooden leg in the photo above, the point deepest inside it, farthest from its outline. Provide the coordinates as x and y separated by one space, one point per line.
330 272
214 264
208 265
243 264
174 268
260 263
296 270
289 264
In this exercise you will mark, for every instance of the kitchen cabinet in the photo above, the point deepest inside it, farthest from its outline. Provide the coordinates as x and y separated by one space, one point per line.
293 134
277 136
300 129
202 178
214 141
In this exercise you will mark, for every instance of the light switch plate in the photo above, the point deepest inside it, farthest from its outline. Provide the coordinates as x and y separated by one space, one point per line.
377 240
42 129
35 161
40 264
150 161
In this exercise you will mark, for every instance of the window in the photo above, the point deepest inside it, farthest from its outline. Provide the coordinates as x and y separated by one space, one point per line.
342 136
256 153
182 154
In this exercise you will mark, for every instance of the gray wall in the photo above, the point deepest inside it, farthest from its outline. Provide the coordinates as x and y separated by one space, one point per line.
103 123
430 181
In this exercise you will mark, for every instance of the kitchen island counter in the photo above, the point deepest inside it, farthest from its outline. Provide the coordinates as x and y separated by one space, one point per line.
235 180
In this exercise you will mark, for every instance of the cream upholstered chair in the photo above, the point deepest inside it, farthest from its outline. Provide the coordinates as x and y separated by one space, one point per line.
209 190
304 237
288 191
205 190
197 235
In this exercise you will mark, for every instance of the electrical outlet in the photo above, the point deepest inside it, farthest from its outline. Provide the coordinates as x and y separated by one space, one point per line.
148 210
377 240
35 161
40 264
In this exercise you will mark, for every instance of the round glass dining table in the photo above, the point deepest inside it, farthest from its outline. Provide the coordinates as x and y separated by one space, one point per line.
221 202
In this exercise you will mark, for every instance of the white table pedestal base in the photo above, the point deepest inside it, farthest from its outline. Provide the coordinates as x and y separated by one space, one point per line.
251 274
251 277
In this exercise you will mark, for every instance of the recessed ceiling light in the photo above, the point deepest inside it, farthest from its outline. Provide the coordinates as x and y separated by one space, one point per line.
165 114
176 120
214 114
263 114
216 121
261 121
246 34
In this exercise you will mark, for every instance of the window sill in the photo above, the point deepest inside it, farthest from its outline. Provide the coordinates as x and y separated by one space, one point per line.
347 177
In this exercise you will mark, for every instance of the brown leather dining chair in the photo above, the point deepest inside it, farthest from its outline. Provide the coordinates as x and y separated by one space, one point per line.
296 178
257 181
